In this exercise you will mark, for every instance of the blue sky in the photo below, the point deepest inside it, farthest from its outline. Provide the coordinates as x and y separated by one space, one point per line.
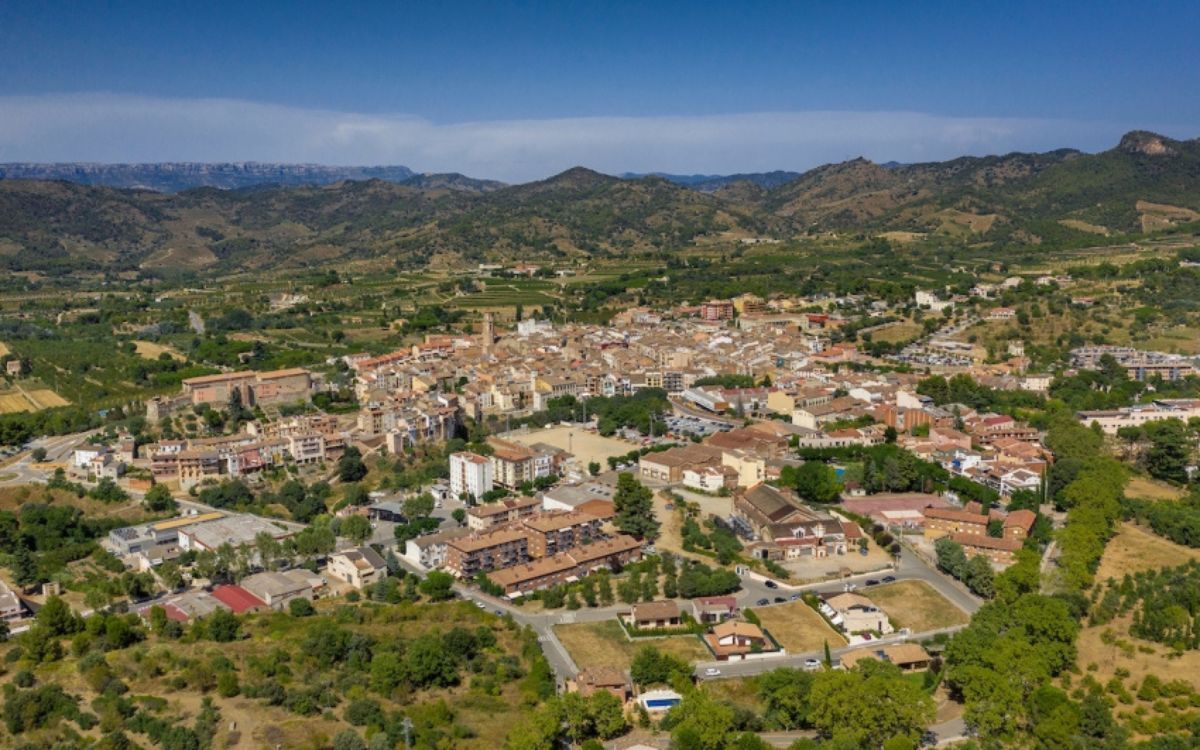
517 91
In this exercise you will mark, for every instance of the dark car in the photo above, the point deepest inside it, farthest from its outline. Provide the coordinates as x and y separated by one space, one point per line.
780 600
763 602
889 579
872 582
772 585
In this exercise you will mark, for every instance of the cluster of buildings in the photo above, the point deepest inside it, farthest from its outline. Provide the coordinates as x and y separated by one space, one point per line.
251 387
147 545
968 526
1139 365
1112 420
523 547
302 439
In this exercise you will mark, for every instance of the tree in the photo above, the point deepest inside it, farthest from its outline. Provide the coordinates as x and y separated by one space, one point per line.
632 503
222 625
701 723
950 557
38 454
817 482
158 500
980 577
348 739
651 667
356 528
1170 450
870 704
593 467
300 607
438 585
785 697
460 516
57 617
350 466
420 506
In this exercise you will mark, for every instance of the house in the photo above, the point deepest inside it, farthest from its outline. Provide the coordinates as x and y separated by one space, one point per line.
713 609
669 465
360 567
429 550
735 638
762 505
909 657
654 615
277 589
855 613
606 679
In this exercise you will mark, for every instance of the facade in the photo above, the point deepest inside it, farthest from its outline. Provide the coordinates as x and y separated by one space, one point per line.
277 589
487 551
508 510
940 522
471 475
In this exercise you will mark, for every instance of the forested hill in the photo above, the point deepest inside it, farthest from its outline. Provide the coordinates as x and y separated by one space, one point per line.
1145 183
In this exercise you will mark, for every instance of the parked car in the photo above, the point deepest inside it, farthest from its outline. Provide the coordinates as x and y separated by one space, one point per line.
793 597
771 584
780 600
812 664
712 672
481 605
872 582
849 587
889 579
763 602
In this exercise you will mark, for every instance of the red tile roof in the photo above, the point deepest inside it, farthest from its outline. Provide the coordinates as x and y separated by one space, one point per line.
237 599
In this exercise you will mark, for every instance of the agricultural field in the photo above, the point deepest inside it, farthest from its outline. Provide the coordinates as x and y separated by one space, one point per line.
917 606
152 350
798 627
897 332
1152 489
604 644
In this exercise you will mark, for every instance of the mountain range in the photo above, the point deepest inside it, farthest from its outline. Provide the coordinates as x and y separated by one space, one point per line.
1146 182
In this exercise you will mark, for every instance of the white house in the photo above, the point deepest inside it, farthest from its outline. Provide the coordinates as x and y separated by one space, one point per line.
360 567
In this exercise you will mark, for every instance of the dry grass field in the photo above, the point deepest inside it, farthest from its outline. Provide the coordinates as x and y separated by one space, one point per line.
1135 548
1152 489
151 350
4 350
46 398
1131 550
917 606
798 628
585 445
12 402
897 332
600 644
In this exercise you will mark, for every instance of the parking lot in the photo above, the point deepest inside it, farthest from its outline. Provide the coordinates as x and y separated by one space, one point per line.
682 425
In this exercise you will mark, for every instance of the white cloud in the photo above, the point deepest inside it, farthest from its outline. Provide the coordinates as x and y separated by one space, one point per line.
121 128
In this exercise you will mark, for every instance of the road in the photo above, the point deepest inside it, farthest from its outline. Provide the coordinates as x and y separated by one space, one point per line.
57 449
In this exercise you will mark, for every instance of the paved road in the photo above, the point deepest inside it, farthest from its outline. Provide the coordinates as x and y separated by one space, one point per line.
58 449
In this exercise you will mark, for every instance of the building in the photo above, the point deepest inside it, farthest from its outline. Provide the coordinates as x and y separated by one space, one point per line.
736 639
717 310
558 531
999 551
669 465
654 615
1018 524
238 600
483 552
360 567
855 613
131 540
763 505
236 531
940 522
536 574
10 603
277 386
606 679
713 609
512 463
909 657
429 551
277 589
506 511
471 475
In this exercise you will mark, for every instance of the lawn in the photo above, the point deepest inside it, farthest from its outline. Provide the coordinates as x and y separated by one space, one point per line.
917 606
798 627
603 644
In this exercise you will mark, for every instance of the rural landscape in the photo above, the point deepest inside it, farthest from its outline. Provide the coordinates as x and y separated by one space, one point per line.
728 439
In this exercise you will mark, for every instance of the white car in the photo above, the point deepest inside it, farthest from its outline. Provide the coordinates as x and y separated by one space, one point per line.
849 587
812 665
481 605
712 672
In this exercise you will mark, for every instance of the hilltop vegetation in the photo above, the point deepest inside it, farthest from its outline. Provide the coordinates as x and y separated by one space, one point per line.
1061 198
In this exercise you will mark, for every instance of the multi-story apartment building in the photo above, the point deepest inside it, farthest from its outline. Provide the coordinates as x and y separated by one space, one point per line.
471 475
487 551
510 510
559 531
